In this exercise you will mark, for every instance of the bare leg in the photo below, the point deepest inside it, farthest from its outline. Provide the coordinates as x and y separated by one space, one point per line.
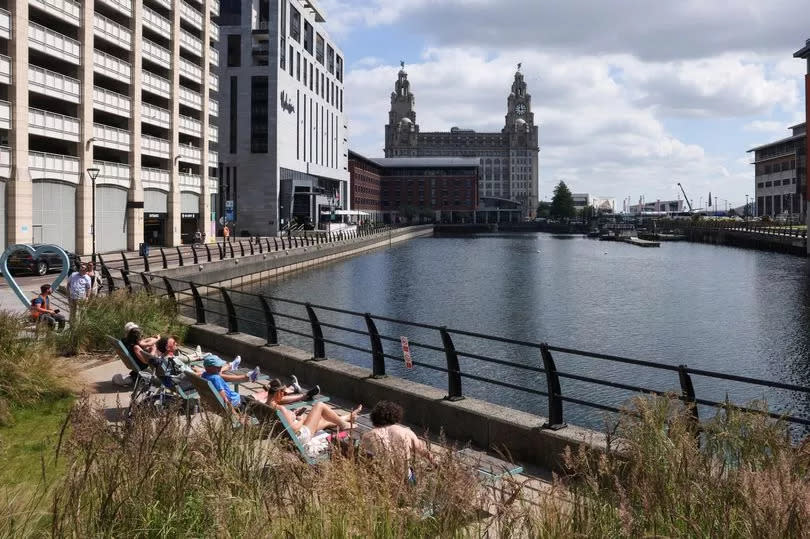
322 417
289 399
234 377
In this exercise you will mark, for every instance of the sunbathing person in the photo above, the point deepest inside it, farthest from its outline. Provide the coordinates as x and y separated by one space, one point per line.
213 373
292 393
320 417
389 437
137 344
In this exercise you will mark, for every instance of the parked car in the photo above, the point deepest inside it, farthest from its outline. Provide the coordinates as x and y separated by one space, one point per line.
21 262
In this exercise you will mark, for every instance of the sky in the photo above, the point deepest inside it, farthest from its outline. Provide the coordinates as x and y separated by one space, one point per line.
631 96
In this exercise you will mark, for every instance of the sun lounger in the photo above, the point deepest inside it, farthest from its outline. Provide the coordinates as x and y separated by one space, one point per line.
489 468
143 380
190 397
309 459
211 400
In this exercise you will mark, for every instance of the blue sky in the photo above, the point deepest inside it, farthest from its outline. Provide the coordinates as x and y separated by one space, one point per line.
630 99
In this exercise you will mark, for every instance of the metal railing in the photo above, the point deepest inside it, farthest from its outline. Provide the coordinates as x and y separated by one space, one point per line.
754 227
457 355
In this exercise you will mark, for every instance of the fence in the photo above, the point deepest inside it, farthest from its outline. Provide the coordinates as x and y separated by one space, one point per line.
736 226
321 325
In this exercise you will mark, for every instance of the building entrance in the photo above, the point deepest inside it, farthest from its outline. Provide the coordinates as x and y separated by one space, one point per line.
189 224
154 229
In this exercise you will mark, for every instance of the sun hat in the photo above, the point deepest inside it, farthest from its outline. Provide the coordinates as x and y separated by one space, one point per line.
129 326
213 361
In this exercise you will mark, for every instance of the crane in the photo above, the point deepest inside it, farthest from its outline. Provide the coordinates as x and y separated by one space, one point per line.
686 197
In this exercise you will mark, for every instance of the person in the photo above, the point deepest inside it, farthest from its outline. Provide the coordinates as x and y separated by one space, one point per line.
213 373
94 282
79 287
292 393
140 349
392 439
41 309
306 425
226 233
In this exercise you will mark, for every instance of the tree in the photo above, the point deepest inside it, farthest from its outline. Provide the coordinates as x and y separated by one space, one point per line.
544 210
732 212
562 204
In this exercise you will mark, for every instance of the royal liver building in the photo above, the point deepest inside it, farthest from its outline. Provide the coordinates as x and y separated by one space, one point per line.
509 168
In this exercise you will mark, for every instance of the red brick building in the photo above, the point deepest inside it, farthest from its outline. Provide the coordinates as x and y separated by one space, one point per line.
416 188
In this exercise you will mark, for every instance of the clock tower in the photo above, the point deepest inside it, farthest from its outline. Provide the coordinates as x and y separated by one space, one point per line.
402 130
519 103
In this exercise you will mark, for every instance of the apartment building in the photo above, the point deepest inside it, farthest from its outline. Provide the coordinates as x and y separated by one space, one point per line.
283 130
780 174
123 87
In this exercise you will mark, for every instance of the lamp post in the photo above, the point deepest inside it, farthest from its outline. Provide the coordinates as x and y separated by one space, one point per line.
93 173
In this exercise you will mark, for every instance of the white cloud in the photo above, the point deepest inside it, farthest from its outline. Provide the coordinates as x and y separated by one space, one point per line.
765 126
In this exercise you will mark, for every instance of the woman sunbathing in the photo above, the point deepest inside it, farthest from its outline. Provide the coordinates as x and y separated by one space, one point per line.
320 417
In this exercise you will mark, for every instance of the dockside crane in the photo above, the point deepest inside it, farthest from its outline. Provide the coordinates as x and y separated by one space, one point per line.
686 197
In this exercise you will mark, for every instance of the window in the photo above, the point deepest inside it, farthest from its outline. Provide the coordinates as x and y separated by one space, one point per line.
295 24
258 114
298 66
319 48
311 76
308 37
234 50
330 59
317 82
339 68
282 57
291 60
233 116
305 71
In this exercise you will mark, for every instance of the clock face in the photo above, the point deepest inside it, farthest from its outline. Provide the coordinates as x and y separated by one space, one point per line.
520 109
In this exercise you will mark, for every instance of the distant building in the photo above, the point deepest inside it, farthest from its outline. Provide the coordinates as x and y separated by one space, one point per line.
440 188
603 204
804 53
780 175
509 158
659 206
282 131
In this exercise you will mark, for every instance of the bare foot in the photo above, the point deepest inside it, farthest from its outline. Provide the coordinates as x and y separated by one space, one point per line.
355 413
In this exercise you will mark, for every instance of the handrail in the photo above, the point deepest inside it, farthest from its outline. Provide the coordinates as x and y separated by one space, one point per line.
209 302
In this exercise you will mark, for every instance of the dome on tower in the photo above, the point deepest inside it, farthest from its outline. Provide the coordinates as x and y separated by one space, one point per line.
405 121
520 122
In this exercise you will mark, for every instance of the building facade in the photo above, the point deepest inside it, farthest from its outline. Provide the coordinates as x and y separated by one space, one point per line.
780 176
603 204
509 158
126 87
283 131
365 177
659 206
804 53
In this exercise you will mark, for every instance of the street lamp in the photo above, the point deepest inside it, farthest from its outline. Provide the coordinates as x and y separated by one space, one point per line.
93 173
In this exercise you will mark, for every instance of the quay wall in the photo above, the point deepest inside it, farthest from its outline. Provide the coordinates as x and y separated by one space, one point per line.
750 240
234 272
513 433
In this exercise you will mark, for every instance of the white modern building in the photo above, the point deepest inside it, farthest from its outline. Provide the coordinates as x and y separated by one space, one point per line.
284 152
123 86
603 204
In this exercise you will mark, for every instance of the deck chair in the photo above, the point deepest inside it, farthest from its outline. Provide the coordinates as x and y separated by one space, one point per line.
489 468
143 381
189 397
309 459
211 400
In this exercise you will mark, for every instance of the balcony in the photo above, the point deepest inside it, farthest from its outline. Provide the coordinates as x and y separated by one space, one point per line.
214 31
113 173
213 56
189 182
215 8
5 24
5 115
54 44
190 71
111 102
156 22
122 6
190 154
213 134
213 159
110 66
156 147
155 177
191 15
5 162
213 107
155 53
52 84
190 126
190 98
112 137
156 84
190 43
53 167
67 10
5 69
111 31
165 3
50 124
156 115
213 187
213 81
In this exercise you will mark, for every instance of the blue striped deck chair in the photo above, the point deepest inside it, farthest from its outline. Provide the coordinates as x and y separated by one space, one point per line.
211 400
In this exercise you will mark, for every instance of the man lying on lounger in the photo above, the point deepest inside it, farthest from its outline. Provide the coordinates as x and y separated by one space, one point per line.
320 417
213 373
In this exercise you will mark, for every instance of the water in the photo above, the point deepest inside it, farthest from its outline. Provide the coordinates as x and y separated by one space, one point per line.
717 308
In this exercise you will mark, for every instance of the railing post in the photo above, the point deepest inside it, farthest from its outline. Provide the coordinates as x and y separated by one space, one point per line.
146 263
125 277
453 368
259 243
233 323
230 246
275 244
146 284
267 243
198 303
194 254
377 354
241 249
105 273
179 256
688 393
126 262
221 249
270 323
318 348
555 403
170 290
208 252
250 244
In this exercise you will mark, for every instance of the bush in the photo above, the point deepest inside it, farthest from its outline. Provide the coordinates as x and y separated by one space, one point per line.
106 315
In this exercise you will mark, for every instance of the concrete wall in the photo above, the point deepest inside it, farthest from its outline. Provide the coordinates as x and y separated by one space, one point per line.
485 425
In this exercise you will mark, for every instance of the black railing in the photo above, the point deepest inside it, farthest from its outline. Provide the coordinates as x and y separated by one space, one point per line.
306 322
753 227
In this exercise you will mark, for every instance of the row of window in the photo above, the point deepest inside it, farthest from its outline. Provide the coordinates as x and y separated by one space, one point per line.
318 82
777 183
776 167
776 204
334 63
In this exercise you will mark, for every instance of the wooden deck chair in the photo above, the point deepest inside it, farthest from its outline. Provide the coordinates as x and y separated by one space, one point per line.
489 468
211 400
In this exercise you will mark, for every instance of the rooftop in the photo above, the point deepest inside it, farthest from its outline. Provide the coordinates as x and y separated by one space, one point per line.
804 52
426 162
780 141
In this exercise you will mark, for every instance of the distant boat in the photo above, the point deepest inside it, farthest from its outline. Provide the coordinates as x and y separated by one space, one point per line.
617 231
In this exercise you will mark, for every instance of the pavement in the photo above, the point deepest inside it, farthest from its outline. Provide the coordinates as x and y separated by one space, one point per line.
30 286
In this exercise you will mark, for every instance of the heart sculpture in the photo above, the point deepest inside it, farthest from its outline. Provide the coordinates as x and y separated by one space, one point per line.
12 282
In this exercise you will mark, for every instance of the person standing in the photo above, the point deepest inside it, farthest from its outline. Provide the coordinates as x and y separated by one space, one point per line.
226 233
79 287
